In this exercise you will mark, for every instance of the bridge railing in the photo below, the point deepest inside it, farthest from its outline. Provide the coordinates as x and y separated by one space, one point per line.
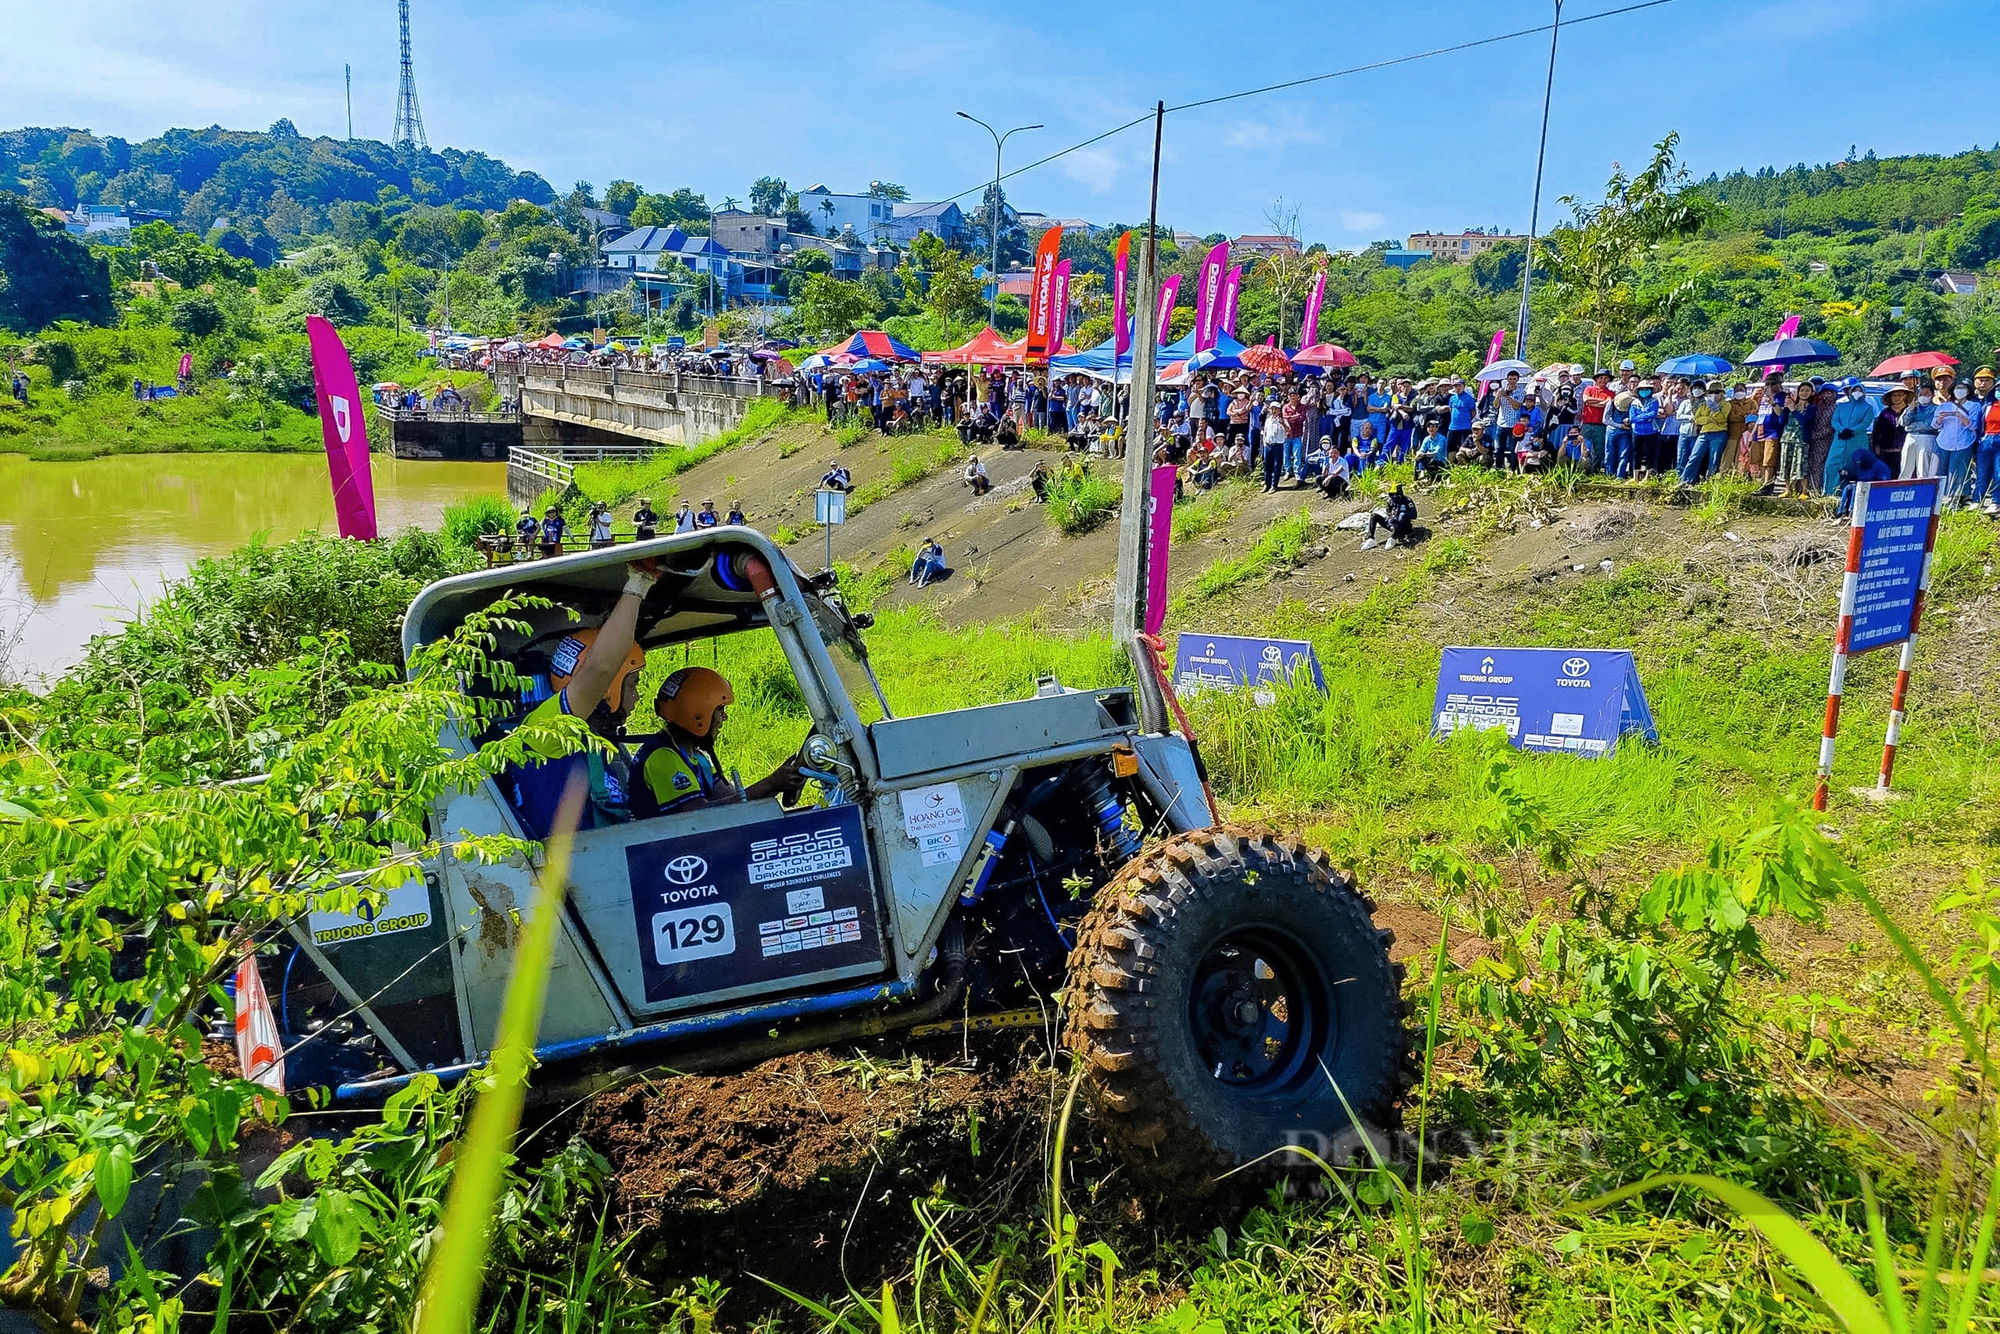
556 466
550 375
446 414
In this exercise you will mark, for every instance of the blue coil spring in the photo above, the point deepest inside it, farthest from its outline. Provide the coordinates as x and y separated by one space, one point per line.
1120 840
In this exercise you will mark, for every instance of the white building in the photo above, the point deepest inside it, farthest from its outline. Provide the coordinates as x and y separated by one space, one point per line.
871 218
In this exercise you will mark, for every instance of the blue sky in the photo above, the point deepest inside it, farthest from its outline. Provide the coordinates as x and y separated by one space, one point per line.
715 96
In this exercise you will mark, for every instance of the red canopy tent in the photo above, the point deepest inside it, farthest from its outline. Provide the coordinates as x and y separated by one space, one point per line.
550 341
1017 352
985 348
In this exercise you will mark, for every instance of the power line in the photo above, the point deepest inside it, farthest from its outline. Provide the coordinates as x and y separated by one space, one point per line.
1453 49
1421 55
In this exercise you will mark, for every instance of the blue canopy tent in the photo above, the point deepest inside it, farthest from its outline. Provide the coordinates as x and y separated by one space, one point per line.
1097 361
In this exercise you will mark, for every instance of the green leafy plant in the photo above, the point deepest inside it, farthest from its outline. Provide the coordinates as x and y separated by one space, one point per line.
466 521
1079 498
133 890
1278 548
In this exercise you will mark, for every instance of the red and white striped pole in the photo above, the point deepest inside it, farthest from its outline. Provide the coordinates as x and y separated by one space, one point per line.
1850 585
1909 655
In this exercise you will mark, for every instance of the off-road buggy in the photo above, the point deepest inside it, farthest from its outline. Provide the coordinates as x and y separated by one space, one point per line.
1224 986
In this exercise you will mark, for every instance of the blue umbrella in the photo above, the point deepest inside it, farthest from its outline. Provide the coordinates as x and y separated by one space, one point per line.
1791 351
865 365
1698 363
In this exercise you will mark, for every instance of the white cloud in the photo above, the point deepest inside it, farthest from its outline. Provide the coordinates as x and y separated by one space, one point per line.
1094 168
1271 134
1360 220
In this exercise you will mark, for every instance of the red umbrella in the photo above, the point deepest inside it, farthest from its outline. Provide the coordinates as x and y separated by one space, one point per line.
1914 361
1323 354
1266 360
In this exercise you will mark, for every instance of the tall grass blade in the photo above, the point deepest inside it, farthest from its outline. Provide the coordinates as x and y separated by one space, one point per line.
457 1267
985 1296
1975 1050
1931 1290
1829 1279
1975 1269
1888 1286
834 1320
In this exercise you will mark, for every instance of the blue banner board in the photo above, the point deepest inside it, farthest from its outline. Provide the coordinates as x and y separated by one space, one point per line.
1578 701
1895 522
1227 662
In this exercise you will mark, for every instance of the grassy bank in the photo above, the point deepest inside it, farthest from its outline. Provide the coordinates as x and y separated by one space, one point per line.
245 393
1654 962
54 428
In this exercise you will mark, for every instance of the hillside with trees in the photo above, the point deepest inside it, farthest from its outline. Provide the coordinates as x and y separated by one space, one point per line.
251 231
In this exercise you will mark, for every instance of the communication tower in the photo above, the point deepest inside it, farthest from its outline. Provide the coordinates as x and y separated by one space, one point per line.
409 130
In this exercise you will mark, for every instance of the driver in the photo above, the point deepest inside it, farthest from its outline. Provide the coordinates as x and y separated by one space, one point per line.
678 764
596 675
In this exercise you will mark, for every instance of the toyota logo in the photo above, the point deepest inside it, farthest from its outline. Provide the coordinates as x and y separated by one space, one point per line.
686 870
1576 666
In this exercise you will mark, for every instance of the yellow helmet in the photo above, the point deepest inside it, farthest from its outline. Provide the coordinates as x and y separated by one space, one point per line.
689 698
570 650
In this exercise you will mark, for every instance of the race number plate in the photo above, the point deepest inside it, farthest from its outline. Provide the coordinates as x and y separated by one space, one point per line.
756 904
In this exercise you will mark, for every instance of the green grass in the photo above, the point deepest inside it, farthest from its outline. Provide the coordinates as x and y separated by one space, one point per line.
1276 549
1206 511
465 521
1081 498
615 483
54 427
916 458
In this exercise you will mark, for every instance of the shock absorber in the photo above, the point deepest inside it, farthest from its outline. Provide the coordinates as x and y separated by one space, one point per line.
1121 843
989 861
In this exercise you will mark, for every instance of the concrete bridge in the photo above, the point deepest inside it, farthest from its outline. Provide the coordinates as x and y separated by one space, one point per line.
564 415
662 407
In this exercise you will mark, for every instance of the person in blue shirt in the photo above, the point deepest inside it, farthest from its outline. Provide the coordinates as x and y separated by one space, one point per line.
1618 436
1854 425
1367 445
1643 419
1379 400
1433 455
1862 466
553 527
1463 403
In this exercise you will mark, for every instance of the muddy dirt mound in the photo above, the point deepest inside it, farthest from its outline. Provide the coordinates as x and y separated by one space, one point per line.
802 1170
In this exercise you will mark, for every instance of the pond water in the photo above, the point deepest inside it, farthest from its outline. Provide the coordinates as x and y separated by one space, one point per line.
84 546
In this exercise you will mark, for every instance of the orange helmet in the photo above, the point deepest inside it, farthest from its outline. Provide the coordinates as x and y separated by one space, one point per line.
570 650
689 697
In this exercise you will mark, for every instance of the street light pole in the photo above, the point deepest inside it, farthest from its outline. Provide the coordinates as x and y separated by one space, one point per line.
1535 209
993 217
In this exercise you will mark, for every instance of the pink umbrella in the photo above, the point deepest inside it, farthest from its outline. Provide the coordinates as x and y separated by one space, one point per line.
1323 354
1915 361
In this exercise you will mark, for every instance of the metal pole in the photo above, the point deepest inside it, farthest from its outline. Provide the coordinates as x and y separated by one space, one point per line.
993 213
993 229
1535 209
1836 685
1908 659
1129 597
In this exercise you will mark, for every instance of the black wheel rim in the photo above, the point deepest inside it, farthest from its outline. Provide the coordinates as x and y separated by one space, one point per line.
1261 1011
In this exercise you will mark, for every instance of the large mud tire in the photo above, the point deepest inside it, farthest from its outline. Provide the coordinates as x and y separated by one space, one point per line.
1220 988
